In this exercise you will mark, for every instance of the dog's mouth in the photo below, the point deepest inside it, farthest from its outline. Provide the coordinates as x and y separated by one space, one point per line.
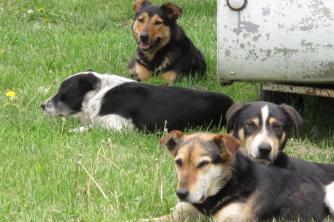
265 161
145 46
54 114
202 199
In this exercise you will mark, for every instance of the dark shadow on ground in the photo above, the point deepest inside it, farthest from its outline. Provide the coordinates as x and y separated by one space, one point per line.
318 115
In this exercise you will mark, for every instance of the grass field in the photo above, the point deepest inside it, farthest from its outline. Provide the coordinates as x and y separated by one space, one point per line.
45 172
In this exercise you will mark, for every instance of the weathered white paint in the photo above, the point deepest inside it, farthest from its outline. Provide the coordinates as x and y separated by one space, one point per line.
283 41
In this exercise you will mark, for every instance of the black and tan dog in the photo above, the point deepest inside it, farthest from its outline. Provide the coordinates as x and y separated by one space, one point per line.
163 47
216 180
263 129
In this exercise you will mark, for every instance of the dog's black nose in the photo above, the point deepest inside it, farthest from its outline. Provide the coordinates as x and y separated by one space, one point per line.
144 37
182 193
43 106
265 149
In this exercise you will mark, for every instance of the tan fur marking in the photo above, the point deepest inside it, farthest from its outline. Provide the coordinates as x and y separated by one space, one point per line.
283 138
272 120
243 147
234 212
166 62
182 212
138 4
240 212
139 26
248 142
169 77
256 121
276 146
241 135
186 174
159 31
142 72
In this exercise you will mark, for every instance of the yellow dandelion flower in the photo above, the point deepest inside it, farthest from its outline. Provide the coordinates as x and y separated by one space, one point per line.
10 93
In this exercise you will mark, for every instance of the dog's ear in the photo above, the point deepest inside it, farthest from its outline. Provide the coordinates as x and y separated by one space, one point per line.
171 140
227 142
139 4
232 114
294 116
91 81
173 11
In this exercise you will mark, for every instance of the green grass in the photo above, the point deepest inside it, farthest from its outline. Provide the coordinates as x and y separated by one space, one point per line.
43 168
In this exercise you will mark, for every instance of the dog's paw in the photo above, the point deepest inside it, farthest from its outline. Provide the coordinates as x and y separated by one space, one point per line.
81 129
135 77
156 219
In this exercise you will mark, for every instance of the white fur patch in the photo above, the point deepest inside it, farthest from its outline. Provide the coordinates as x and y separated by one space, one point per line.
329 197
265 116
81 129
262 135
207 184
113 122
92 104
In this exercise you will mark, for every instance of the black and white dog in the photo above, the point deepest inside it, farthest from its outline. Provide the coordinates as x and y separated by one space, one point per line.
114 102
263 129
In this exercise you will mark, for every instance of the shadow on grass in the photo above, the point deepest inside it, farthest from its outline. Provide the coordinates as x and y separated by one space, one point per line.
318 115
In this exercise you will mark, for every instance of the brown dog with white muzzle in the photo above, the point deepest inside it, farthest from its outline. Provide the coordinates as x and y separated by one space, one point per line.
218 181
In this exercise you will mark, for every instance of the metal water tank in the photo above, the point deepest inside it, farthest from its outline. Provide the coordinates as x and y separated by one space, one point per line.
277 41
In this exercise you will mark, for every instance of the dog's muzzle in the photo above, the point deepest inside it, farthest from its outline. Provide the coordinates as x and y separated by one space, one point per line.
49 108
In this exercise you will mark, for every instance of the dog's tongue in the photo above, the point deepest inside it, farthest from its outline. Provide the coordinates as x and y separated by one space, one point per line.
144 46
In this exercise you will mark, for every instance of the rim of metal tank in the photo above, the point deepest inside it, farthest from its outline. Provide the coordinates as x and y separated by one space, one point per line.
236 5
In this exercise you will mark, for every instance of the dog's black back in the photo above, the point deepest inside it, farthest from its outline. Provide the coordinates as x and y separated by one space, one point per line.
154 107
299 165
281 194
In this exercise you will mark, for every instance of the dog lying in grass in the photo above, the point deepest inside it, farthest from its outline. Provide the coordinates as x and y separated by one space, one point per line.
216 180
263 129
163 47
115 102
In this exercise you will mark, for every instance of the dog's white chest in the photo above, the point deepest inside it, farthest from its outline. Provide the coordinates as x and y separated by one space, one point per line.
92 106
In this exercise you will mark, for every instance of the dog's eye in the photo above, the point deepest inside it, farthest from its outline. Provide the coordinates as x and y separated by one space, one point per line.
178 162
276 126
141 20
251 126
157 22
203 164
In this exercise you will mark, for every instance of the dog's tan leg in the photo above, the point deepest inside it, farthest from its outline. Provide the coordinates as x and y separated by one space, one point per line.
169 77
143 74
235 212
182 212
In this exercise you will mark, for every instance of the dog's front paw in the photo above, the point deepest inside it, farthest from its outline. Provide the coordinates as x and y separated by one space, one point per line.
146 220
157 219
81 129
135 77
